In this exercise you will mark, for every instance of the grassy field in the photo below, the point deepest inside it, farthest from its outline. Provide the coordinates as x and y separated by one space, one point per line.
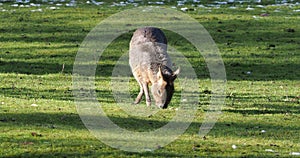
260 49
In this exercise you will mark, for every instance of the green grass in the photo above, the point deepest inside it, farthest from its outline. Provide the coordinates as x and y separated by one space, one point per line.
38 116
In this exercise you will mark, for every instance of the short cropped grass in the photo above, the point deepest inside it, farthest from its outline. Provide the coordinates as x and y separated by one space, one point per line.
260 50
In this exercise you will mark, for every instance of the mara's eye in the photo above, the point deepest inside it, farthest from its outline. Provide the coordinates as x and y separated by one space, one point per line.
158 92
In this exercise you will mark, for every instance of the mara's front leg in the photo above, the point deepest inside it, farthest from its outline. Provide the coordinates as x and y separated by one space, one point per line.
140 95
146 91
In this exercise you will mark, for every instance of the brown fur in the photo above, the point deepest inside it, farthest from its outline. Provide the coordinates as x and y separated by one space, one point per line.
151 64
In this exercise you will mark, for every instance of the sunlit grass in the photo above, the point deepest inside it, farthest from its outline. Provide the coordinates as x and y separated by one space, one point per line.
38 116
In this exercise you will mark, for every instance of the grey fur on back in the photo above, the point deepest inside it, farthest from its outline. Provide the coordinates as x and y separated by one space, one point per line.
148 46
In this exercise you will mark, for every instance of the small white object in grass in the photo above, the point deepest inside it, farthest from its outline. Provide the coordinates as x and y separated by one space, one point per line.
149 150
35 5
298 10
34 105
269 150
121 4
222 3
15 5
53 8
281 87
295 153
180 3
70 4
135 4
286 99
234 146
97 3
249 8
2 103
248 72
184 9
201 6
161 3
263 131
260 6
37 10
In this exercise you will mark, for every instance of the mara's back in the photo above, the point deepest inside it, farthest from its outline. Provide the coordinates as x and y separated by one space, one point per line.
148 48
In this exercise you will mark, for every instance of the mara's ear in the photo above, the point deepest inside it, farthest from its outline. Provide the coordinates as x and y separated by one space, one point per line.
175 73
159 73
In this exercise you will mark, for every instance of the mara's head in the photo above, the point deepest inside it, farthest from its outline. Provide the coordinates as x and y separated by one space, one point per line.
163 89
